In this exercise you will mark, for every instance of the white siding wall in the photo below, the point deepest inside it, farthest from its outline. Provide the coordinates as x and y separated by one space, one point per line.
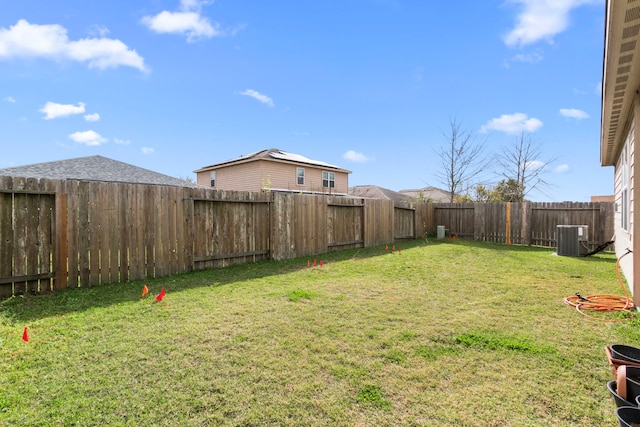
624 238
256 175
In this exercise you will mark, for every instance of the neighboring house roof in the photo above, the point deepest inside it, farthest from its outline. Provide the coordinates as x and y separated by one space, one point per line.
274 154
375 192
432 194
94 168
620 75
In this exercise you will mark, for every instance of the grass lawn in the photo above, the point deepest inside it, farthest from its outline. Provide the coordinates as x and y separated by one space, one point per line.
443 333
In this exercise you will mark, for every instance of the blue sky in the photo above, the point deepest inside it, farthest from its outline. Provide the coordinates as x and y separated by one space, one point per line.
368 85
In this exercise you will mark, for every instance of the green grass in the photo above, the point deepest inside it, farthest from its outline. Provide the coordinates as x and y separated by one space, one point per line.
444 333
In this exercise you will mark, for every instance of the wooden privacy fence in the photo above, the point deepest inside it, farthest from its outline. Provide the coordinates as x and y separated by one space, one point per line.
67 233
527 223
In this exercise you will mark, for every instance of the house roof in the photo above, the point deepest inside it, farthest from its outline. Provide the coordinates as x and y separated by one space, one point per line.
375 192
273 154
620 75
429 193
94 168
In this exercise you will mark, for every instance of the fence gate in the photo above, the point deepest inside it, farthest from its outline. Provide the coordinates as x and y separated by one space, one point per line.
27 222
230 232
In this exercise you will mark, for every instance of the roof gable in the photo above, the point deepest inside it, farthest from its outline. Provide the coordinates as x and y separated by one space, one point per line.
94 168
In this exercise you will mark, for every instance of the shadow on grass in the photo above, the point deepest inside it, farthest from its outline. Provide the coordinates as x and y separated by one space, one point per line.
29 308
73 300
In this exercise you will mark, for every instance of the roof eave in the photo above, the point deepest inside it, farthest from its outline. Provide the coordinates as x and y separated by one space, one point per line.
620 76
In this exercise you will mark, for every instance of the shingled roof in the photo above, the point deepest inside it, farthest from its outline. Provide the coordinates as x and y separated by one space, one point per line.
94 168
375 192
431 194
273 154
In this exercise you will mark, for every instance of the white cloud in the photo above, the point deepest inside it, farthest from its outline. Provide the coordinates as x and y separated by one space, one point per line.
513 124
260 97
53 110
354 156
542 20
93 117
9 99
562 168
535 165
188 20
147 150
98 30
121 141
529 58
89 138
573 113
25 40
193 4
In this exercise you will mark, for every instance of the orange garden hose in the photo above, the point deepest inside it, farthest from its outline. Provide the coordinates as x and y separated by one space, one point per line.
603 302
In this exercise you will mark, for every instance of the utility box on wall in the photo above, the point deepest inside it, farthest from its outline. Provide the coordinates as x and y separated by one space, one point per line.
572 240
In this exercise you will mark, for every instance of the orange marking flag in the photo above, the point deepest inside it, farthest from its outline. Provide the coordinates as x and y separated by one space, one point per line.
145 290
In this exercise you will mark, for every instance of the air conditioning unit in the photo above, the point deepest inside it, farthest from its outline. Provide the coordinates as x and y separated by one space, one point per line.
572 240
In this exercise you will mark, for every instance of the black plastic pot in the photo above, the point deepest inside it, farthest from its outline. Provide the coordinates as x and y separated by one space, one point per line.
633 373
627 415
620 402
633 388
625 352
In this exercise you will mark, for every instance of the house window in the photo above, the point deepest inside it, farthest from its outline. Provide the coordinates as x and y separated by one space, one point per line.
624 187
328 179
300 175
213 178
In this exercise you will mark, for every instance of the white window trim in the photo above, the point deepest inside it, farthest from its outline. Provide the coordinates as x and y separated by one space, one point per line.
298 176
624 186
329 179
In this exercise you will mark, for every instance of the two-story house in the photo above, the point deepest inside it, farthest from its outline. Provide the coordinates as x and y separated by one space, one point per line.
275 170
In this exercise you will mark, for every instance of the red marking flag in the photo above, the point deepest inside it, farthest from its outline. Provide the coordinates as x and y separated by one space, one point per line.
161 295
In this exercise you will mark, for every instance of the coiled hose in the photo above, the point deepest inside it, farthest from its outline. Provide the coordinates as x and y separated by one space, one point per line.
604 302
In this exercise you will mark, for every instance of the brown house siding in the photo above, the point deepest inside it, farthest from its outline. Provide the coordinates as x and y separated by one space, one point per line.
274 175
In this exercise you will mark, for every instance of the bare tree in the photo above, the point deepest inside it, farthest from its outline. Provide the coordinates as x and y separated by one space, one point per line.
521 165
461 160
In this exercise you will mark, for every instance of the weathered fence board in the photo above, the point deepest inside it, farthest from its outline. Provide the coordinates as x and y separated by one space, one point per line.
27 224
229 230
378 222
57 234
404 226
344 223
458 219
6 243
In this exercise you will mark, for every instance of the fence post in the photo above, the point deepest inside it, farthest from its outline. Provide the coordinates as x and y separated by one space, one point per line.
507 230
61 250
526 223
479 217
